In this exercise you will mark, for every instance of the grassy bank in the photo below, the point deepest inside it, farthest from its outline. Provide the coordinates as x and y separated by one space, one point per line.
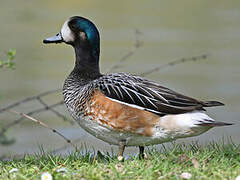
214 161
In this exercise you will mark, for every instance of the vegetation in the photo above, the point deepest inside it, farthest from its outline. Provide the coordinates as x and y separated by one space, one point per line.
9 62
214 161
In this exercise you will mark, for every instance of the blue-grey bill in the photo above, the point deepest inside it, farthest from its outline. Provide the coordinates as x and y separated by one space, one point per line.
54 39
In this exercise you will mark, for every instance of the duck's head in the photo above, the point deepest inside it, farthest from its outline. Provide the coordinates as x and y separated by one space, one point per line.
79 32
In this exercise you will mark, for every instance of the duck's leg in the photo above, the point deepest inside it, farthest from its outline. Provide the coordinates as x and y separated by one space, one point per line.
121 147
141 152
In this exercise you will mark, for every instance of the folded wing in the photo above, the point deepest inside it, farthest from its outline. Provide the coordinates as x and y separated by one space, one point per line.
148 95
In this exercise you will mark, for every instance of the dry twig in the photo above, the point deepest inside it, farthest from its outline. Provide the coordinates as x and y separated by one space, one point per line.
175 62
28 99
17 121
47 107
44 125
136 46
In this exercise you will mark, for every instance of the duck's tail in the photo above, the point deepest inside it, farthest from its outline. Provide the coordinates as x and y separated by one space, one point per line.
202 119
191 120
215 124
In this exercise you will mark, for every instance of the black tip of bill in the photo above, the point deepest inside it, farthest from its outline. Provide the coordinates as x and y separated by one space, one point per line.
54 39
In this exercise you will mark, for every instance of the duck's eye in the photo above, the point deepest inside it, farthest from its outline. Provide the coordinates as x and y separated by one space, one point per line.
73 26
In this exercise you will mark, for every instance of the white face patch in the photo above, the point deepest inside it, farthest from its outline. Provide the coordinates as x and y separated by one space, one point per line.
66 33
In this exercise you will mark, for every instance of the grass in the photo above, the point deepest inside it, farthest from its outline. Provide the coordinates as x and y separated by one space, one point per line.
213 161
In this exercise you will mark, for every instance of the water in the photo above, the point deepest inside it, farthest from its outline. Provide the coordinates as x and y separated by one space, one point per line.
170 30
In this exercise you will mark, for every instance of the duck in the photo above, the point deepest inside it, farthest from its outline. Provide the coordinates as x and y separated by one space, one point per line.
121 108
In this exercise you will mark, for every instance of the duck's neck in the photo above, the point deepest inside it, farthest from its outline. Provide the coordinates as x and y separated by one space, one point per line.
87 62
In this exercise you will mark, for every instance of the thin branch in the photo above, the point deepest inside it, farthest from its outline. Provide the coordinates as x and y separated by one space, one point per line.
39 99
136 46
11 124
28 99
51 109
44 125
175 62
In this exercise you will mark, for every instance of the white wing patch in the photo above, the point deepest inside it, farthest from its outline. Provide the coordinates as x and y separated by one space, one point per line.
187 120
133 105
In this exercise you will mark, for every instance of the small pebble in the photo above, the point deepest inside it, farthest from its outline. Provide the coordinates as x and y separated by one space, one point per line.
186 175
62 170
13 170
46 176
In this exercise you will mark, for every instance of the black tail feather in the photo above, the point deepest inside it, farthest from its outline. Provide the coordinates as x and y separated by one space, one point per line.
215 124
212 103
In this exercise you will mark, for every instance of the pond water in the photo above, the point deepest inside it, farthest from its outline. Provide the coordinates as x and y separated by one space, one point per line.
169 30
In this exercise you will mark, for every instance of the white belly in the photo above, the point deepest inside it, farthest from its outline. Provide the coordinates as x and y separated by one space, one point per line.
112 136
